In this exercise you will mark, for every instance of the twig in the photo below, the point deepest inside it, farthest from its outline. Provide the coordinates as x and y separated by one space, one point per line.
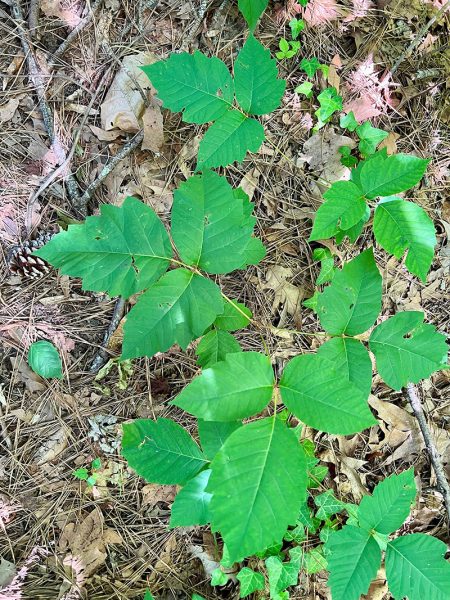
435 458
102 356
76 32
108 168
187 40
418 38
33 17
37 80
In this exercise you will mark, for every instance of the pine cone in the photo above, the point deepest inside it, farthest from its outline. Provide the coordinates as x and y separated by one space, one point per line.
21 261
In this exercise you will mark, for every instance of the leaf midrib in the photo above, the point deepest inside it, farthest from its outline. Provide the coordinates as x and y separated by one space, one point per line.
414 568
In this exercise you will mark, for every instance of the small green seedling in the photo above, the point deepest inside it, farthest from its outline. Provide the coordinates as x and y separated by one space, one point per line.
89 475
330 102
297 26
310 66
305 88
287 49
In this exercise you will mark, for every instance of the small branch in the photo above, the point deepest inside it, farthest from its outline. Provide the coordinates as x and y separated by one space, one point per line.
107 169
33 17
418 38
102 356
435 458
76 32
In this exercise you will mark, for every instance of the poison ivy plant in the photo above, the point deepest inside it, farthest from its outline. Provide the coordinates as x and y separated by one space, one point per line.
251 477
288 49
203 89
297 26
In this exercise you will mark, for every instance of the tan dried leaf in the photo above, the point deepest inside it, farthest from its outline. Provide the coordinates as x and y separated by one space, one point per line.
152 121
153 493
286 293
52 445
8 110
321 152
123 105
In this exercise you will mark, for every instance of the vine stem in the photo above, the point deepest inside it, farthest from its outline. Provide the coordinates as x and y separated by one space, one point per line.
435 457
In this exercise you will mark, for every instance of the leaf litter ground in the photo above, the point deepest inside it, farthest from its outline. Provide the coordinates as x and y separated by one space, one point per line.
112 540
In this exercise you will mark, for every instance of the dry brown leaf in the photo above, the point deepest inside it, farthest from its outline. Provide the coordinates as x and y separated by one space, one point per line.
87 541
153 493
123 105
105 136
52 445
321 152
249 182
187 153
378 589
8 110
390 143
164 564
67 12
286 293
153 129
23 373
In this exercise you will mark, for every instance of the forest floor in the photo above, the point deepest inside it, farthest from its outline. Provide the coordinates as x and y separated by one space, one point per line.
113 540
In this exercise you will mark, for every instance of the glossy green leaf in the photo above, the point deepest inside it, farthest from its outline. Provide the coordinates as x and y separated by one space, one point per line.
238 387
305 88
310 66
327 265
354 232
354 558
214 347
328 505
175 310
314 561
229 139
322 397
214 433
258 89
191 504
235 316
296 26
352 301
398 226
330 102
148 595
351 359
389 175
348 122
343 208
283 574
44 359
219 577
199 86
258 483
161 451
386 510
250 582
416 568
252 10
121 252
406 349
369 138
211 226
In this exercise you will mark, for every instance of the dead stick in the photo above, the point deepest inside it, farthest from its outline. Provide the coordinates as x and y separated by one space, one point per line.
102 356
435 458
109 167
417 39
76 32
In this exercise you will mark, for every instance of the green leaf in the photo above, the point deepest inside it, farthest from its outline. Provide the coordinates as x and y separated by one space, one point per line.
44 359
235 316
399 225
322 397
252 10
310 66
250 582
121 252
81 474
283 574
199 86
327 265
353 561
148 595
312 302
351 359
96 463
305 88
386 510
389 175
214 347
258 89
229 139
261 466
176 309
416 568
211 226
347 159
343 208
369 138
315 561
219 577
297 26
197 597
354 232
214 433
161 451
328 505
191 504
348 122
238 387
352 302
330 102
406 349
